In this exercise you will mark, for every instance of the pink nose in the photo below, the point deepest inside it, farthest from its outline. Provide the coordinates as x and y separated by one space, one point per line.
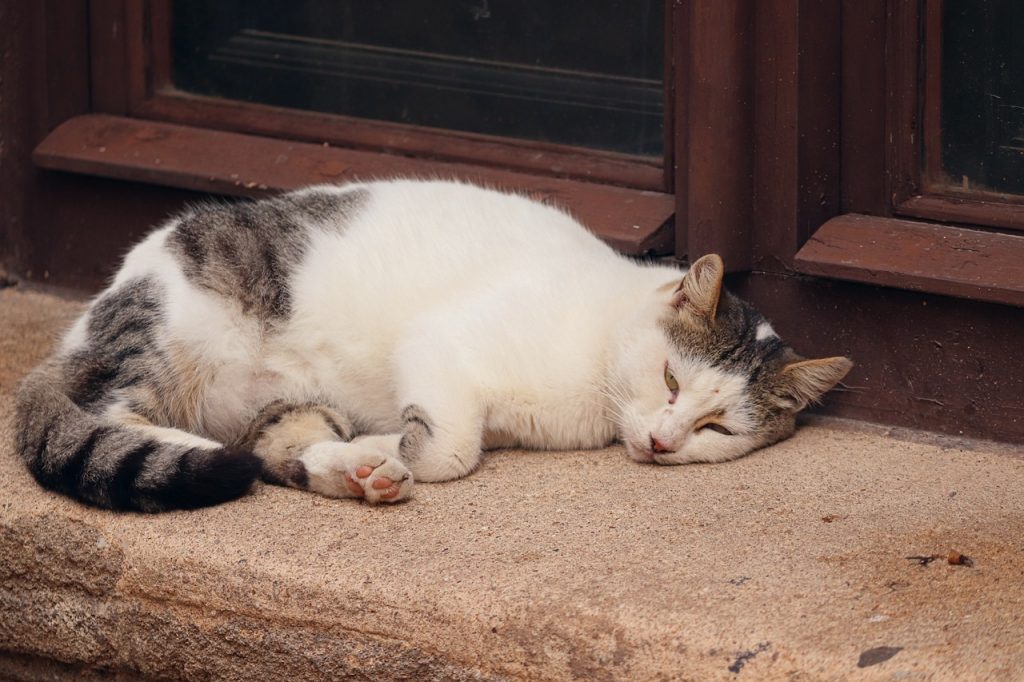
659 447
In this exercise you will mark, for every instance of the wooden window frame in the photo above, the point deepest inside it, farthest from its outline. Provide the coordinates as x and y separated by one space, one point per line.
676 206
937 198
626 200
785 121
881 175
150 94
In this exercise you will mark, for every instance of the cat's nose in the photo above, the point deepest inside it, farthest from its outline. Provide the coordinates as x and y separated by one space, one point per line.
659 447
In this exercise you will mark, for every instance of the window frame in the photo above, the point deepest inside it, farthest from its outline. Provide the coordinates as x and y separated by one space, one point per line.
709 130
882 172
141 51
936 200
624 199
917 125
783 117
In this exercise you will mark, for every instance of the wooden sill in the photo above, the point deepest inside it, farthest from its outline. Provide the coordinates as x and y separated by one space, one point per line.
993 213
937 259
535 158
636 222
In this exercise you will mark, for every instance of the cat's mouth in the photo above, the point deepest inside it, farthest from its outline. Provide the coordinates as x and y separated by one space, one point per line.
638 453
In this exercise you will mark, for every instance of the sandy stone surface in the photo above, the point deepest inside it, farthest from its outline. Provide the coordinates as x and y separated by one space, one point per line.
790 563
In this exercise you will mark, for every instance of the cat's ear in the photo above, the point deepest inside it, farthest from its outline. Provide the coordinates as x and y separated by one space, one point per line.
802 382
697 296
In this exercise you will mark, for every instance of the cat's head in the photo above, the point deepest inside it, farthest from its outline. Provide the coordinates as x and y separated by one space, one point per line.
707 379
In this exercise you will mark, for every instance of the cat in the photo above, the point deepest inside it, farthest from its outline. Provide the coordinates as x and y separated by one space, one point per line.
348 340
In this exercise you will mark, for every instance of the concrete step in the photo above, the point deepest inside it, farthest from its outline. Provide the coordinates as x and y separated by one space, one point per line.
791 563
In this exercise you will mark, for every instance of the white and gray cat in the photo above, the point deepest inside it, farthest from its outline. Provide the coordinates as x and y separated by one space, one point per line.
348 340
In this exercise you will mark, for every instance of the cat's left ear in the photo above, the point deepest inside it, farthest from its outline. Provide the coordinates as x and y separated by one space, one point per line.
697 296
803 382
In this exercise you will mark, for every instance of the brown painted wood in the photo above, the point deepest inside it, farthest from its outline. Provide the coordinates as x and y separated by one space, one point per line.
920 360
903 90
776 101
547 159
108 53
931 110
864 111
891 120
64 68
718 129
132 61
138 53
635 222
44 80
158 30
91 223
819 61
939 259
996 213
671 90
797 137
678 51
923 360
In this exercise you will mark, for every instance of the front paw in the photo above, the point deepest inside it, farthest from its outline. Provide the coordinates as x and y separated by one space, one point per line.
359 469
388 481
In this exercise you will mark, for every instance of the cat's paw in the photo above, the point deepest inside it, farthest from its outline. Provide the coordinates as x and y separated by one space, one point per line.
389 481
360 469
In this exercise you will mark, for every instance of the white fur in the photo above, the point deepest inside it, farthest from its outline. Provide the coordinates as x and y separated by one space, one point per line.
327 464
503 319
765 331
647 409
491 311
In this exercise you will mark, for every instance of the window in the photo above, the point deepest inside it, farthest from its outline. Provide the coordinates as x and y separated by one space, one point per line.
568 102
931 150
574 72
980 145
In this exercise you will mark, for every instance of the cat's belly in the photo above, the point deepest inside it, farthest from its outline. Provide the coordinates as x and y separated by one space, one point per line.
546 427
235 392
233 395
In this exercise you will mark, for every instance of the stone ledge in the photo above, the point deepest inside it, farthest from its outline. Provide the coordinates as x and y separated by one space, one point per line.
788 563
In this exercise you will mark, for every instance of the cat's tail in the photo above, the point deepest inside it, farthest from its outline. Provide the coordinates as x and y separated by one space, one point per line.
108 464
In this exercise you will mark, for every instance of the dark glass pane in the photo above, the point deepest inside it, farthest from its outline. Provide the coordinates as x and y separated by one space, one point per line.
572 71
983 94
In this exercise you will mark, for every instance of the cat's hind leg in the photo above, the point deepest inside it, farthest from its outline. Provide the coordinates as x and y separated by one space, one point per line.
308 446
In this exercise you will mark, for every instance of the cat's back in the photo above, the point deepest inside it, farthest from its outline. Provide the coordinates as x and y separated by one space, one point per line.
413 242
447 220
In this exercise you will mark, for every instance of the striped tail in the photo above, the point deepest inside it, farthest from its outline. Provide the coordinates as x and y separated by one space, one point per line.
107 464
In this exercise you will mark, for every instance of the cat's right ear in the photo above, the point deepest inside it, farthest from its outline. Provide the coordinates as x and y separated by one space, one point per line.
697 296
802 382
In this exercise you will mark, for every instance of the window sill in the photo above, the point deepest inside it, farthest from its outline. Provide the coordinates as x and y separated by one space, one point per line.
964 210
636 222
937 259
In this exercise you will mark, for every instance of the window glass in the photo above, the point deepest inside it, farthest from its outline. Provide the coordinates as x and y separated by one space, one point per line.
983 95
574 72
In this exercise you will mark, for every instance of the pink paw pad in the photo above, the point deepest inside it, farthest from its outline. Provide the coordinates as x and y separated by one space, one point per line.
390 488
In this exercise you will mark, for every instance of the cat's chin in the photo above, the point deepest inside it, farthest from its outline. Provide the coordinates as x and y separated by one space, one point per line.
639 454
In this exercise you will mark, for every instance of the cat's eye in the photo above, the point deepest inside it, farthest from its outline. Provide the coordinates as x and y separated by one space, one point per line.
717 428
670 381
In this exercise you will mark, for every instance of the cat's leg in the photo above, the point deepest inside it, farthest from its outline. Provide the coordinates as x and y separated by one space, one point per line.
307 446
440 442
442 419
